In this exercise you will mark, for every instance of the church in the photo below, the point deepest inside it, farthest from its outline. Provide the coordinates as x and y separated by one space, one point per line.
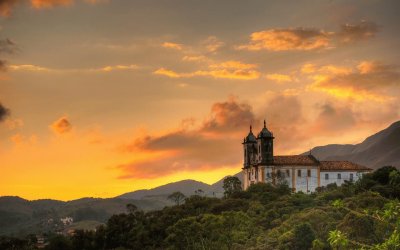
303 173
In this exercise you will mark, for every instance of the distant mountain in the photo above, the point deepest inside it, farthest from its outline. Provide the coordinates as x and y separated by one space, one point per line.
380 149
187 187
20 217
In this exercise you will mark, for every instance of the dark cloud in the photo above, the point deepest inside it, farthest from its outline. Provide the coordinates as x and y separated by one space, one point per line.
229 116
213 144
4 112
6 6
216 142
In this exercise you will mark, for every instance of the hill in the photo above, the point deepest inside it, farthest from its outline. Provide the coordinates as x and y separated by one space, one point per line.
380 149
19 216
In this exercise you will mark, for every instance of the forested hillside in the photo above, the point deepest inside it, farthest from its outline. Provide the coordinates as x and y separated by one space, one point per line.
361 215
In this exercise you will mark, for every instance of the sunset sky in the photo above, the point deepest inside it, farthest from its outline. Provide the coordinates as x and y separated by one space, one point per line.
99 97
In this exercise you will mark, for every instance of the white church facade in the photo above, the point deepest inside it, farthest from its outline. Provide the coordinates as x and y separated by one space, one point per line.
300 172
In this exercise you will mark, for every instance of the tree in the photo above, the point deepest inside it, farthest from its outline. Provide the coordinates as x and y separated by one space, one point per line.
131 208
338 240
303 236
231 185
177 197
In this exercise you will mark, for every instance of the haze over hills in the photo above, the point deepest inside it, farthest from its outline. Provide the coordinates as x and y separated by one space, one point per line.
380 149
20 217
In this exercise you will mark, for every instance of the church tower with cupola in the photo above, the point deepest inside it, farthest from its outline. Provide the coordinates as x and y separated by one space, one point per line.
265 143
250 149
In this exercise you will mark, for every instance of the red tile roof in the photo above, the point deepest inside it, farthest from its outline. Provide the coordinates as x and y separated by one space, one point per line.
342 165
295 160
310 160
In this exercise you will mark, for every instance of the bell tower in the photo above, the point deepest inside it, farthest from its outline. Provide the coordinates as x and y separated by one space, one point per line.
265 143
250 149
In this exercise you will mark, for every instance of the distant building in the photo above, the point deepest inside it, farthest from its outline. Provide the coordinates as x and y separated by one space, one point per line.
300 172
67 221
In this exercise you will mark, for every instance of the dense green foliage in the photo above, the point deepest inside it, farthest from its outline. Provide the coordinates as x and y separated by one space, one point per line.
361 215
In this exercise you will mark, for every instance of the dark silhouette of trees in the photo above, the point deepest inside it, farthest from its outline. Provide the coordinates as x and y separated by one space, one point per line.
177 197
231 186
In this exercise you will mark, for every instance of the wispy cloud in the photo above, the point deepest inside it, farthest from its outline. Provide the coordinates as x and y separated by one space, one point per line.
280 78
109 68
227 69
171 45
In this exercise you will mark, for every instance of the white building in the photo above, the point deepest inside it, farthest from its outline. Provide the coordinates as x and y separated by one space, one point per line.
300 172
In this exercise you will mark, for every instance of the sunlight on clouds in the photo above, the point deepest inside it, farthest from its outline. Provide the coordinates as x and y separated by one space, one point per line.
288 39
212 44
28 67
39 4
170 45
118 67
279 78
227 69
307 39
368 81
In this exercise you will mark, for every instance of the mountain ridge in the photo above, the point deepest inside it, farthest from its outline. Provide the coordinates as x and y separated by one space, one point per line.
377 150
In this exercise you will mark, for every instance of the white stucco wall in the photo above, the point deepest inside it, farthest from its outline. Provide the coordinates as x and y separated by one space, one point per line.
304 183
333 177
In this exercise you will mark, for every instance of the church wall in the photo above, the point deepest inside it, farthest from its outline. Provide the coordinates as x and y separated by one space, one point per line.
334 178
290 176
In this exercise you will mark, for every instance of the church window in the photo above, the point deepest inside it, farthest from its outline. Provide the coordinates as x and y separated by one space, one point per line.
326 176
309 173
268 175
249 176
299 173
339 176
288 173
351 177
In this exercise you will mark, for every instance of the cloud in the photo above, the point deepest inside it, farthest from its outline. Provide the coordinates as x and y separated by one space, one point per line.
170 45
117 68
368 81
4 112
7 6
288 39
279 78
306 39
14 123
28 67
212 44
36 68
40 4
334 118
350 33
61 126
211 145
6 47
227 70
199 58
